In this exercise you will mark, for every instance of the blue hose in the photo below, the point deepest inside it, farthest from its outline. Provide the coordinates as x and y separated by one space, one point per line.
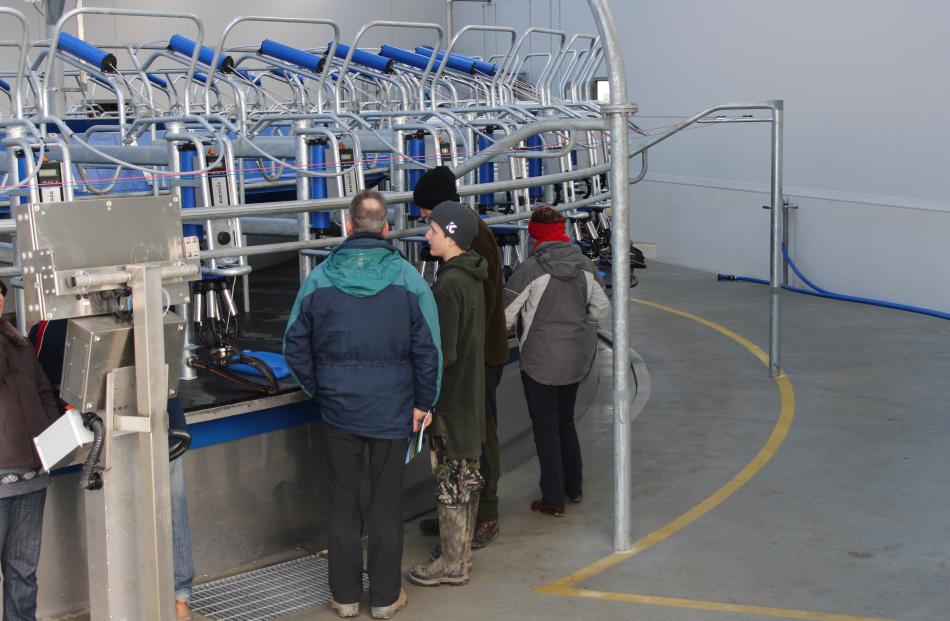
824 293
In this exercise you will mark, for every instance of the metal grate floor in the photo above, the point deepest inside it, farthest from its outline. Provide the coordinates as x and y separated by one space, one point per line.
266 593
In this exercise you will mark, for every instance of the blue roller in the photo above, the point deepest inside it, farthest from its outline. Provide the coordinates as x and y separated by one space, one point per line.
373 61
157 80
91 54
292 55
200 77
405 57
486 173
535 166
4 85
186 47
318 185
455 62
574 157
416 148
187 158
480 65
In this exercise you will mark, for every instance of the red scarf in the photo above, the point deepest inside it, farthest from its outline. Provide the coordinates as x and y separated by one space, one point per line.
541 232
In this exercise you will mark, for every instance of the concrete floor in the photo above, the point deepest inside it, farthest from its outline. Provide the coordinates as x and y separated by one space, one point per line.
845 522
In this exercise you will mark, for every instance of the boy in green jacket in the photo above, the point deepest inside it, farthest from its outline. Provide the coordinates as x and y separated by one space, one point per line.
458 427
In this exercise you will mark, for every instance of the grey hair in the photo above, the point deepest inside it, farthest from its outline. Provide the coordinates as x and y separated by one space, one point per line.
367 217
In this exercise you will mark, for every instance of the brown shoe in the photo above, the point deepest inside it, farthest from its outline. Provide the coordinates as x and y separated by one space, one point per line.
548 509
575 496
485 533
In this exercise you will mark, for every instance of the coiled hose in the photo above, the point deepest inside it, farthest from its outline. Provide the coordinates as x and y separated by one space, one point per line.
90 479
824 293
182 442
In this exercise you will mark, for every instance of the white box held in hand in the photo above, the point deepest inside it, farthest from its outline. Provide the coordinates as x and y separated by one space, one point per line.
58 445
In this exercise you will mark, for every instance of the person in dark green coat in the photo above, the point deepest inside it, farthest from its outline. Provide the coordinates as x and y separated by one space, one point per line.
458 427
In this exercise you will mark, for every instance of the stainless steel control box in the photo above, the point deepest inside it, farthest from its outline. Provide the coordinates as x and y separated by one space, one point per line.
97 345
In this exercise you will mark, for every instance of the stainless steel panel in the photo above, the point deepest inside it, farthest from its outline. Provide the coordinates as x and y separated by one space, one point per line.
92 235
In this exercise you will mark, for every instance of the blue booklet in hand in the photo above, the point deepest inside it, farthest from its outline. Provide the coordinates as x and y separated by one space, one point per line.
417 438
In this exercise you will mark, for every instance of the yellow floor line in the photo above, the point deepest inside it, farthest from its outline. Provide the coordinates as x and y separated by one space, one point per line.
670 602
566 586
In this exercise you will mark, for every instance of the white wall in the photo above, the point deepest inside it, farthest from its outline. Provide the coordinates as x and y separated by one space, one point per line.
350 16
864 83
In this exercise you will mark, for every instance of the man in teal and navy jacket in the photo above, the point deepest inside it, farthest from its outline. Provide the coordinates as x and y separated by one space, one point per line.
363 340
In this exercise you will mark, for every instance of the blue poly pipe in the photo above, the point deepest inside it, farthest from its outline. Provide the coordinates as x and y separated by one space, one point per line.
186 47
480 65
200 77
416 148
455 62
318 185
157 80
305 60
187 158
4 85
405 57
91 54
367 59
535 166
486 173
824 293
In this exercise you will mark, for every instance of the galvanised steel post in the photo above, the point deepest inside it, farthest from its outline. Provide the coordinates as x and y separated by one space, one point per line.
777 262
617 112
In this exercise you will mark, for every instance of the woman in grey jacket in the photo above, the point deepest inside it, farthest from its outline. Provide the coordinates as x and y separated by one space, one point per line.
27 407
557 301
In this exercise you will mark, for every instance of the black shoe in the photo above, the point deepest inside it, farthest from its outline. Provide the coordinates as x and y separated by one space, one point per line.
429 526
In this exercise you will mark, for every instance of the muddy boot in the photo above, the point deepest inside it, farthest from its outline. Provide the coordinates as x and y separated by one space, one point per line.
450 567
472 507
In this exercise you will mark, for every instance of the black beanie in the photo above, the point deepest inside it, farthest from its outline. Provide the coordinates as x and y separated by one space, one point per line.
3 289
458 222
435 186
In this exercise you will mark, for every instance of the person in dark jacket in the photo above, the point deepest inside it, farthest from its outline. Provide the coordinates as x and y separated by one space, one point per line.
458 428
557 300
435 186
27 407
363 340
49 344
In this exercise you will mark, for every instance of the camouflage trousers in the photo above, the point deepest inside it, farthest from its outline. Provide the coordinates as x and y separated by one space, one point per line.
456 480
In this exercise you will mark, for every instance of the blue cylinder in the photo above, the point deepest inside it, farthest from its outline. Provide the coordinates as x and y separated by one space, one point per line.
157 80
21 168
91 54
187 158
455 62
367 59
186 47
535 166
200 77
405 57
416 148
574 157
305 60
4 85
486 173
480 65
318 185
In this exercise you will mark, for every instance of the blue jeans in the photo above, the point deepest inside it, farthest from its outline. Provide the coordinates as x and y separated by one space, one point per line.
21 528
181 533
